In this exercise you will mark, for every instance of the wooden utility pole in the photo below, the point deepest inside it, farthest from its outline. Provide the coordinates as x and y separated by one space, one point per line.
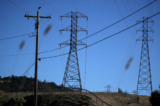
36 55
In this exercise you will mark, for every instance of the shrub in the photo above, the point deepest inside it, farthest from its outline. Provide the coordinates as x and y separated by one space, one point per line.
3 98
155 98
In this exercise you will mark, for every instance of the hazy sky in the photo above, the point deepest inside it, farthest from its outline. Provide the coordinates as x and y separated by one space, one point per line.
106 61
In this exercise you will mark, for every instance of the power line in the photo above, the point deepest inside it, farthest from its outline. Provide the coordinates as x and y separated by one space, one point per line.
17 55
85 64
15 24
28 69
17 6
52 7
93 33
118 74
148 8
133 75
53 14
53 50
131 37
86 46
32 53
26 11
45 6
131 9
122 15
72 5
16 36
117 21
51 10
126 9
128 46
103 38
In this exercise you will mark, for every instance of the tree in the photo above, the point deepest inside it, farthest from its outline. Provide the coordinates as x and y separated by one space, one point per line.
119 90
155 98
12 76
17 101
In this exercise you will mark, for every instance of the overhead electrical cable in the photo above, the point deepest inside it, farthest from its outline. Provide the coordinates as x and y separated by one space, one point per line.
131 73
118 21
72 5
103 38
52 7
111 24
20 8
131 10
17 6
122 15
53 28
105 27
129 48
92 43
126 10
16 36
28 69
44 5
14 24
32 53
17 55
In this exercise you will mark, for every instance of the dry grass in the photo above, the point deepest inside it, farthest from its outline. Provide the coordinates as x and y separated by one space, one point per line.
120 99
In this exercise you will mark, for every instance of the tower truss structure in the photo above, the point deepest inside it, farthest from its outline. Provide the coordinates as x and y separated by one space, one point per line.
72 78
144 78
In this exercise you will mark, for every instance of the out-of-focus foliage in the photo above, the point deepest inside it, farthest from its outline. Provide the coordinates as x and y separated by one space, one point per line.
17 101
155 98
3 98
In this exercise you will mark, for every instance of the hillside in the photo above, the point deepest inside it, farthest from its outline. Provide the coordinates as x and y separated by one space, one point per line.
120 99
61 96
22 83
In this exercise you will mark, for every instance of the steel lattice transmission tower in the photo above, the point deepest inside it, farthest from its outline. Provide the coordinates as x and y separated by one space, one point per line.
144 77
72 78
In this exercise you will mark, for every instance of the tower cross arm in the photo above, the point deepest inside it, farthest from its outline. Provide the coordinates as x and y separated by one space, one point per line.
149 30
77 14
145 19
81 29
78 43
69 29
66 29
80 15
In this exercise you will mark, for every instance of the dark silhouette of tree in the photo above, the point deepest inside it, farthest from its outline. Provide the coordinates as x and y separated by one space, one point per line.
155 98
22 83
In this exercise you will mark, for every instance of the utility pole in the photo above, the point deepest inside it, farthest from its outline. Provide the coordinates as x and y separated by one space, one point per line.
108 88
36 55
72 77
144 78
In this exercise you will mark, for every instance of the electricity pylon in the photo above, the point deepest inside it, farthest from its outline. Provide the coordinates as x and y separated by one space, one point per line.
108 88
72 77
144 78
